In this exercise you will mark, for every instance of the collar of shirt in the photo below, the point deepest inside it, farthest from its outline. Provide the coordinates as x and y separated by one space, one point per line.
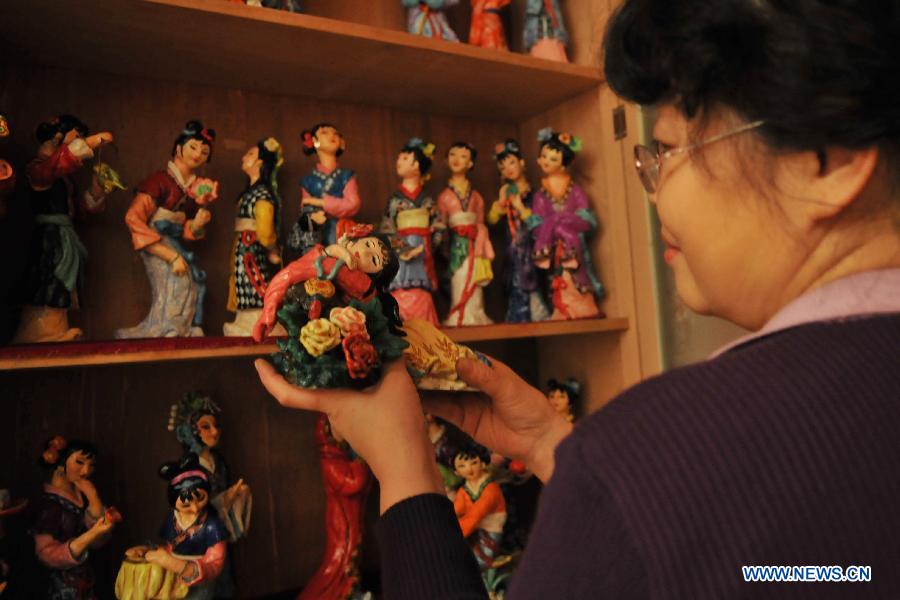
857 295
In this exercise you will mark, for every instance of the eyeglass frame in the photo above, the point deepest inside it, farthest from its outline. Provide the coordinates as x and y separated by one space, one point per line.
653 169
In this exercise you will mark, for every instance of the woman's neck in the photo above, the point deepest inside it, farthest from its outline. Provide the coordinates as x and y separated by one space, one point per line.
183 168
60 483
460 181
411 184
328 160
185 521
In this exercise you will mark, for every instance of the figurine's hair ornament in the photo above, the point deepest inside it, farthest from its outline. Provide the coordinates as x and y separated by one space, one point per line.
504 149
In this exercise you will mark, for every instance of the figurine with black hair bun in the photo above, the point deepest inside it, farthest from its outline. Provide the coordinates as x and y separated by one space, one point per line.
427 18
170 207
513 208
562 395
56 257
255 253
461 208
411 219
194 543
328 194
561 218
70 519
545 34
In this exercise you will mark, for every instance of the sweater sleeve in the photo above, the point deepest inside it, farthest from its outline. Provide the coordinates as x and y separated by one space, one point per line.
423 553
580 546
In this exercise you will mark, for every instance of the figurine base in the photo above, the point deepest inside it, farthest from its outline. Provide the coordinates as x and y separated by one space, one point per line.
569 303
41 324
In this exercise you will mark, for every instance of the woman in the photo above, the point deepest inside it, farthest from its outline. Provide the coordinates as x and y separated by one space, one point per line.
255 254
70 520
169 207
777 188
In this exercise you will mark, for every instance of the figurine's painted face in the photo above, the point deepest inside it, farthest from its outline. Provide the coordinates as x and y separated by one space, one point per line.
329 140
250 163
459 160
469 468
4 126
511 167
208 430
551 161
193 505
559 400
407 165
194 153
79 466
370 254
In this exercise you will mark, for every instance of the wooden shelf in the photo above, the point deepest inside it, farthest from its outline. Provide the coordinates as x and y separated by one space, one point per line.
230 45
75 354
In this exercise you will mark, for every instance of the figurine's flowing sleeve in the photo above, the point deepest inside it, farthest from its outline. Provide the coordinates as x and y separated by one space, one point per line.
209 566
388 223
65 160
483 246
490 502
423 552
564 225
264 215
295 272
138 220
55 554
346 207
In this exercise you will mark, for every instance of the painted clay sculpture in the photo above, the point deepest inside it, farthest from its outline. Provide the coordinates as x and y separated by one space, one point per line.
169 208
255 256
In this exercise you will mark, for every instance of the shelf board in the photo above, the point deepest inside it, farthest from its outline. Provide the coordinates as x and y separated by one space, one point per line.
75 354
231 45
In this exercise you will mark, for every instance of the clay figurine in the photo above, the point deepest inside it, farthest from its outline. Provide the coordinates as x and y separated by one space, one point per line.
562 394
333 302
169 208
481 510
255 256
70 519
513 209
411 219
486 29
471 252
561 218
347 480
56 257
545 33
328 194
427 18
191 555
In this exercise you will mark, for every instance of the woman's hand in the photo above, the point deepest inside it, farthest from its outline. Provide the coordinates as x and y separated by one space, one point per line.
384 424
179 266
510 417
98 139
317 202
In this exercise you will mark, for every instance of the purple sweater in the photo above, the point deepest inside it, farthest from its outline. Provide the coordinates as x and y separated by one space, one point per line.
782 451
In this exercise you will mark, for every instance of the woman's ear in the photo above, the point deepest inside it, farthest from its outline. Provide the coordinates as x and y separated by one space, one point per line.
829 181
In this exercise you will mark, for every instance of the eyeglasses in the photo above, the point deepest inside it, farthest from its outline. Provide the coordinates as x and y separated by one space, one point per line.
648 160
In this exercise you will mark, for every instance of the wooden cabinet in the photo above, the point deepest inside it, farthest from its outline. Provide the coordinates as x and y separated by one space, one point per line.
142 68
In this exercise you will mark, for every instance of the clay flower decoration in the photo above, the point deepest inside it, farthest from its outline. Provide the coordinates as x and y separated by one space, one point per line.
545 134
308 141
360 355
349 320
204 191
319 287
108 178
319 336
54 446
272 145
573 142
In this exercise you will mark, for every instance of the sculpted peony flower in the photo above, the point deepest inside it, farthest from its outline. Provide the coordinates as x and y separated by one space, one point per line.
349 320
319 287
360 354
204 191
319 336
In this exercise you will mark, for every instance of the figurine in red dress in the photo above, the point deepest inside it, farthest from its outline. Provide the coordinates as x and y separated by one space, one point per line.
487 26
347 481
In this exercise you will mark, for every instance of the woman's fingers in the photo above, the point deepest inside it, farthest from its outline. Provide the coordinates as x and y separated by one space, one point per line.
287 394
497 381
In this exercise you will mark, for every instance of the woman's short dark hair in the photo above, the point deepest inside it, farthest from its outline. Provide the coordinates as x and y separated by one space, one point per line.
313 132
818 72
189 479
421 158
194 130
